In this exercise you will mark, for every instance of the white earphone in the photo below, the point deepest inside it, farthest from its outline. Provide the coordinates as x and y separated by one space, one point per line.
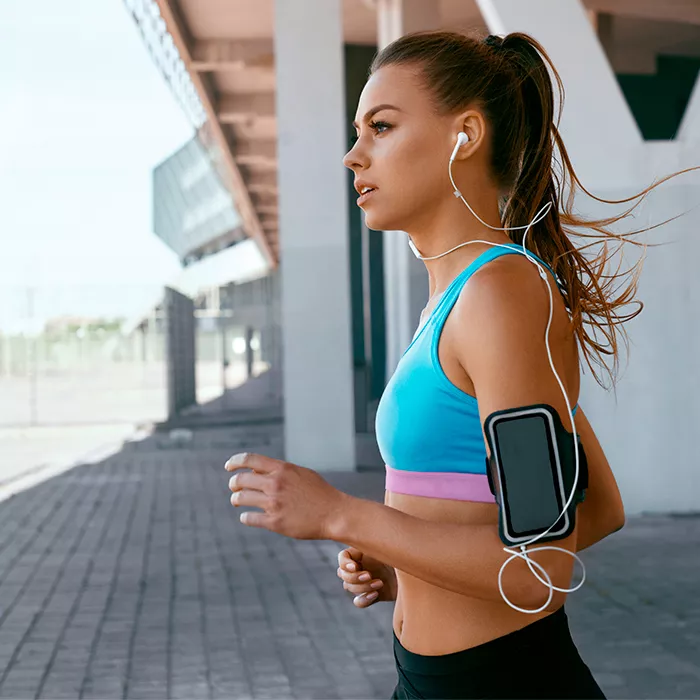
463 138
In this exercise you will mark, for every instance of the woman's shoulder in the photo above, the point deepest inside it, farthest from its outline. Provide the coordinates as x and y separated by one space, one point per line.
498 333
508 288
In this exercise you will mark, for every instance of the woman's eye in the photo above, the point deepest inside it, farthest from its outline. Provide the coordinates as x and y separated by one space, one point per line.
379 126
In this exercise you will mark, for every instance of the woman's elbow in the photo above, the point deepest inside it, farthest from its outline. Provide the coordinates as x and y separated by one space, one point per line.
617 518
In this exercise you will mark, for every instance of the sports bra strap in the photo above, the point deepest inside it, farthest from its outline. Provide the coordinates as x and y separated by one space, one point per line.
450 295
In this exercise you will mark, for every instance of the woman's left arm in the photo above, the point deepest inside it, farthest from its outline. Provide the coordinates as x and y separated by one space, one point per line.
500 335
465 559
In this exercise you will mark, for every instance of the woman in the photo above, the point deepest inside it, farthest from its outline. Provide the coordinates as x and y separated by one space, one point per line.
433 547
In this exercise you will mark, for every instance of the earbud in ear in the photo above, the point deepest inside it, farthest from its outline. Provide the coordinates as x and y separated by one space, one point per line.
462 138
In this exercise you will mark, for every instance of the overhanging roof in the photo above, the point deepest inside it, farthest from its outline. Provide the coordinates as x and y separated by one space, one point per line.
240 263
218 56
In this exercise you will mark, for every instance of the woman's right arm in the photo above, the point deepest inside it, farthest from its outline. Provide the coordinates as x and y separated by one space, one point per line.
601 512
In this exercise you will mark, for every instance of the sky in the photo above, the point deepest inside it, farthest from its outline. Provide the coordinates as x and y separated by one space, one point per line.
85 115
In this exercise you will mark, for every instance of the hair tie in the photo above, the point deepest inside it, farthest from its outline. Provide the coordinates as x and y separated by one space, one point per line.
494 41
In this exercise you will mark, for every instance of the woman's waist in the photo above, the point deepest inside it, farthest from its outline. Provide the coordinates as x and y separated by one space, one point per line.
459 621
431 621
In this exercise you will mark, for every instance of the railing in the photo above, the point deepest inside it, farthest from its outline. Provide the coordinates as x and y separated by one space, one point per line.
160 45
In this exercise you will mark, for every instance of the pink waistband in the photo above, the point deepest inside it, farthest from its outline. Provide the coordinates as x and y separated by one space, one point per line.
453 485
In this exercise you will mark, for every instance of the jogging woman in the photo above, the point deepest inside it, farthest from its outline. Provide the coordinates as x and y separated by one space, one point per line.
486 109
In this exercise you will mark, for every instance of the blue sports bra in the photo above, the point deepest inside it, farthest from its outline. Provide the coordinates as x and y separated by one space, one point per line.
428 430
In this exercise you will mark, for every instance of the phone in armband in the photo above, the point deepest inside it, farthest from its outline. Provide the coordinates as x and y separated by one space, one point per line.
531 473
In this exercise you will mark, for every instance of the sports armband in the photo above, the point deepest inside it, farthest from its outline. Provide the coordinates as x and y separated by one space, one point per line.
531 473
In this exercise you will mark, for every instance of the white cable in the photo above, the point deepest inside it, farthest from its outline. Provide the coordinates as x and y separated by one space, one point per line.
523 553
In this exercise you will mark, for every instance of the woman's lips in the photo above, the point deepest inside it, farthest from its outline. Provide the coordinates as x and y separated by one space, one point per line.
364 197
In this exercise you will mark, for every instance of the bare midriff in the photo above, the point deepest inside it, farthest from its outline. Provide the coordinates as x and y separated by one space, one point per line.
433 621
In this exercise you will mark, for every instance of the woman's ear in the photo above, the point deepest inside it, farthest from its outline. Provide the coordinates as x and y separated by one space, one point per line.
473 124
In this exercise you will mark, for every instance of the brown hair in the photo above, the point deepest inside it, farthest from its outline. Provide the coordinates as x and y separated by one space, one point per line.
508 78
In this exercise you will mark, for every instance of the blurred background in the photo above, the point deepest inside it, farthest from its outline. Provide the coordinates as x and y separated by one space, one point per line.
184 274
151 151
108 197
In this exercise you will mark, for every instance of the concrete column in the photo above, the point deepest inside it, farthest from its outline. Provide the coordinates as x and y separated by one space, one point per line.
398 17
143 347
405 276
313 214
593 134
180 352
223 337
249 330
689 129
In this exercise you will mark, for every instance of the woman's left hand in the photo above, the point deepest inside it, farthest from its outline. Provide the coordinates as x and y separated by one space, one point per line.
297 502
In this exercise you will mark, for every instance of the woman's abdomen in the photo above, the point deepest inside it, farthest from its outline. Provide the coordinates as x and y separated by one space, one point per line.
434 621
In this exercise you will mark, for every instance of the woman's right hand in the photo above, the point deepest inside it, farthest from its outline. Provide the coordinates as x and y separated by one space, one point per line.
380 578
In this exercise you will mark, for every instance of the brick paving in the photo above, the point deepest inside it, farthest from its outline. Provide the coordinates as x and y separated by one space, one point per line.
133 578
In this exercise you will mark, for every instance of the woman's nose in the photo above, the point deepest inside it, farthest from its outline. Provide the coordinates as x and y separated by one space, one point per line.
353 159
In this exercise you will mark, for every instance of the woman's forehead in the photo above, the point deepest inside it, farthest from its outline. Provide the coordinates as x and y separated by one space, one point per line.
395 85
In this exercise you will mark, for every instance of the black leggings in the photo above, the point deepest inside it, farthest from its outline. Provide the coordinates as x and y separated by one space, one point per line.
537 661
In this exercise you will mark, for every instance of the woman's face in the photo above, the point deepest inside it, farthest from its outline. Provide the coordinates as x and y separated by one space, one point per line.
403 150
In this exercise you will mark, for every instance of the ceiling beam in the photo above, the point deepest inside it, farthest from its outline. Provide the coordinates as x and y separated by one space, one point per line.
259 162
268 209
666 11
234 109
261 188
258 129
255 152
228 55
264 199
182 39
255 177
263 149
259 166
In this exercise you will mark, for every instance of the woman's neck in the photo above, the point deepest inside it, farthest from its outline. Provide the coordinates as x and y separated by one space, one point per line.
451 225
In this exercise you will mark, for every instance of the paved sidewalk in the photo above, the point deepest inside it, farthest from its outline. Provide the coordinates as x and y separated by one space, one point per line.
28 450
133 578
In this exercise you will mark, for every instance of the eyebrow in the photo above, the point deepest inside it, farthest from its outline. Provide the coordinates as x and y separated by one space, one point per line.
376 109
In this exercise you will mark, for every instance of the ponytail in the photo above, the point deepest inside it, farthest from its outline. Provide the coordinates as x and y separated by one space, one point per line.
589 293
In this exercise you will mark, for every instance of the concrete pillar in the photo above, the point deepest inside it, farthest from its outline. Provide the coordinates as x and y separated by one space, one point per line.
249 330
593 134
223 337
405 276
143 347
398 17
689 129
180 352
313 214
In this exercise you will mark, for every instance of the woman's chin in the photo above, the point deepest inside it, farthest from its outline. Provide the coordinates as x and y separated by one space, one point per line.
375 222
